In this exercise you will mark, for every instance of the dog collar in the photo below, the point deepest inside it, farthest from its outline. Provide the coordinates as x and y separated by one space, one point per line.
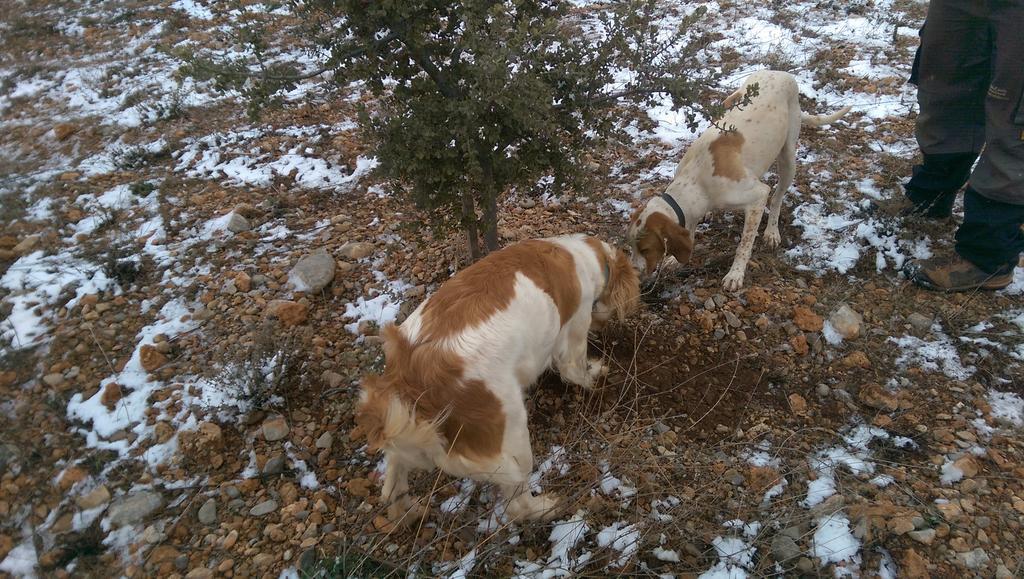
680 216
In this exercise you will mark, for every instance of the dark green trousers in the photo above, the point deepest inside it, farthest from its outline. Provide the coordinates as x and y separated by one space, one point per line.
969 71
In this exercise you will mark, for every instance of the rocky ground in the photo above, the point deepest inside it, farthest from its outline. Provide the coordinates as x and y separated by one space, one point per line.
189 300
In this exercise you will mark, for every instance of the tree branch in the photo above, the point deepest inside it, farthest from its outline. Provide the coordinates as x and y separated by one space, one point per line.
435 74
621 94
354 52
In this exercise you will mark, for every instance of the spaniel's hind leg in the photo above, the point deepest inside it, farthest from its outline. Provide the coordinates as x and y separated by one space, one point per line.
511 472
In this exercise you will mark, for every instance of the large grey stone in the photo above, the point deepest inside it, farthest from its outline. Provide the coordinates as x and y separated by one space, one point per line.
920 322
784 548
925 536
325 441
275 428
208 512
356 250
264 508
313 272
237 223
98 496
974 560
274 465
135 507
846 322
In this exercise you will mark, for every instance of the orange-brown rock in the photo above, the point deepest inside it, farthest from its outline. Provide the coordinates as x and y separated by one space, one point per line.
70 477
807 320
151 358
874 396
798 404
290 313
111 395
914 566
799 343
757 299
857 359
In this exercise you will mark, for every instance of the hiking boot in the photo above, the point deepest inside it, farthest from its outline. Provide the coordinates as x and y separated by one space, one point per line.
955 274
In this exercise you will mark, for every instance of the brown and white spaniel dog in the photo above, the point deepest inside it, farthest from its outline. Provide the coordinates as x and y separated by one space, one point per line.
722 170
457 370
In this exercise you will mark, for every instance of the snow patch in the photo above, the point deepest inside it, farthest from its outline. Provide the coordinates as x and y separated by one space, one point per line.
21 561
834 543
938 355
564 537
1007 407
622 537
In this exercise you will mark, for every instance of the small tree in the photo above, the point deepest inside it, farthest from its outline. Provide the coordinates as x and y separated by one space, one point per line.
478 97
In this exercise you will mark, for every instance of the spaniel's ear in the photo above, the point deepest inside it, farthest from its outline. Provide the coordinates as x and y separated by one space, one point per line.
623 286
371 413
678 242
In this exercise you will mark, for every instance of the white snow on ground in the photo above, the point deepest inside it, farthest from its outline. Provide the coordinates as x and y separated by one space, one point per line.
735 558
129 413
950 473
834 543
1016 287
231 393
836 234
235 159
887 568
761 457
623 208
735 555
938 355
81 520
854 455
117 155
380 310
41 210
556 461
612 485
1017 319
837 241
622 537
882 480
666 504
564 537
21 561
465 566
830 334
667 555
216 226
36 281
458 502
193 9
110 91
776 490
1007 407
307 478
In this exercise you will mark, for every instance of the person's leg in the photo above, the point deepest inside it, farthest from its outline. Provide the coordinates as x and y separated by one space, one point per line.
991 236
951 71
990 239
934 183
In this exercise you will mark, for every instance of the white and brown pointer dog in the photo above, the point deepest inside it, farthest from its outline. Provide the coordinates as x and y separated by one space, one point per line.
452 395
722 170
